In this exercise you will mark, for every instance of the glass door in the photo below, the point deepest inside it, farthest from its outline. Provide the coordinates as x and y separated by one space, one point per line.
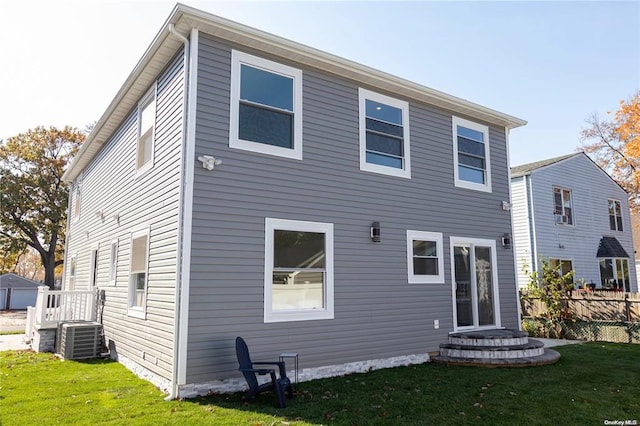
474 281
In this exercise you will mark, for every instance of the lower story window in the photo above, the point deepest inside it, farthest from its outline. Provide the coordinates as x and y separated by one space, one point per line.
564 267
614 274
138 273
298 281
424 257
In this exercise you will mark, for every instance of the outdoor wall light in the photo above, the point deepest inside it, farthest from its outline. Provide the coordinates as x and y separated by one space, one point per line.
209 162
506 206
100 214
375 232
506 240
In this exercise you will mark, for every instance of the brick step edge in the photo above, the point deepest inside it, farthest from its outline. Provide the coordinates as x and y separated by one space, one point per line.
549 357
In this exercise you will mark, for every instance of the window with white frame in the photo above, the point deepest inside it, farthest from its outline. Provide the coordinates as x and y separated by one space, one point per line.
615 215
138 272
266 106
472 165
564 267
146 131
563 210
614 274
76 202
425 261
93 278
384 134
298 281
72 273
113 262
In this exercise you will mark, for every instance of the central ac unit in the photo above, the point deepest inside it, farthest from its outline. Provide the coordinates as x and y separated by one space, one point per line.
79 340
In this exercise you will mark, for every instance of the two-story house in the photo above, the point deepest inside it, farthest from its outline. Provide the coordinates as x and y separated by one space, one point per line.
241 184
570 212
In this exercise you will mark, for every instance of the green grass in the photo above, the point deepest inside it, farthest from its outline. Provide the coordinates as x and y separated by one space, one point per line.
6 333
593 382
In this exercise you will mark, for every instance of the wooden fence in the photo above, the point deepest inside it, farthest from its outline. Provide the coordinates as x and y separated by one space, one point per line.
591 305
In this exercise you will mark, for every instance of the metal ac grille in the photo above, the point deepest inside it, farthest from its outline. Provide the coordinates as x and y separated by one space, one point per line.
79 340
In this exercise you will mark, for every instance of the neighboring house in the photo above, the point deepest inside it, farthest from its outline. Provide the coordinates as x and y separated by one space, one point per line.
569 211
17 292
241 184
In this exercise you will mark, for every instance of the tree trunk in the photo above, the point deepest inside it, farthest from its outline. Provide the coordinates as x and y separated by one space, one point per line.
49 263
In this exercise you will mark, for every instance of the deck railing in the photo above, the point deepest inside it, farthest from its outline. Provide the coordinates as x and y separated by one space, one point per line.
54 306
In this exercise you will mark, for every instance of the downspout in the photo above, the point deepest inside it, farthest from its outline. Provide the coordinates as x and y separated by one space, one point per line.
184 239
513 245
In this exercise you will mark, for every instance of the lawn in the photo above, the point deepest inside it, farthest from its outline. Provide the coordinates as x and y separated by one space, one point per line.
593 382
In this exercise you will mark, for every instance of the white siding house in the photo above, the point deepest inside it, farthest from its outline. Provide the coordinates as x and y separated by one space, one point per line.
568 210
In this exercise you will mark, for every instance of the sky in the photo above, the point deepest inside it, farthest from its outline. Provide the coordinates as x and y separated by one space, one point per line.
551 63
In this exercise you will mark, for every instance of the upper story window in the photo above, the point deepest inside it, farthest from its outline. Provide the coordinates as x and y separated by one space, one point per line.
563 209
138 273
266 106
472 165
146 130
298 281
384 134
76 200
615 215
425 260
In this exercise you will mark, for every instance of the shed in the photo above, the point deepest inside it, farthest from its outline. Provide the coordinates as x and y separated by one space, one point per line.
17 292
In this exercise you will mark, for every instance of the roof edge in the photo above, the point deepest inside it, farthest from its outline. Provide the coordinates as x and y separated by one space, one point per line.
186 17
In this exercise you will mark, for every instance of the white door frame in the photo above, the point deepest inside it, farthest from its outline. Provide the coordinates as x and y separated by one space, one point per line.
471 242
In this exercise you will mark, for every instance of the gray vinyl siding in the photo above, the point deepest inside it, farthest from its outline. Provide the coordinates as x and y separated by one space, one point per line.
377 313
150 201
521 229
590 189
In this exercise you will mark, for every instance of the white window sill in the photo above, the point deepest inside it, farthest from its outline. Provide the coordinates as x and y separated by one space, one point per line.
307 315
473 186
136 313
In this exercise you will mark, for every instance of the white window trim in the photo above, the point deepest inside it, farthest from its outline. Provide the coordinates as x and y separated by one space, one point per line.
363 95
76 202
565 259
425 236
93 265
573 216
113 262
300 314
609 215
72 259
238 58
138 311
486 187
148 98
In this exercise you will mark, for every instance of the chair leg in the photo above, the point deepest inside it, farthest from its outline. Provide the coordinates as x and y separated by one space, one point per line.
282 401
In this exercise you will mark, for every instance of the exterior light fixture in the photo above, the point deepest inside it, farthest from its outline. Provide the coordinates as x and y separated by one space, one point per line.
209 162
506 240
375 232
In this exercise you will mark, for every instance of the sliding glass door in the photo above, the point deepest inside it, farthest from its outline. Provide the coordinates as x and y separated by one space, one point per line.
474 283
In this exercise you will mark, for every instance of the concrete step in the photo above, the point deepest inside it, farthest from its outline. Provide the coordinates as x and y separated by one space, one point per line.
548 356
531 348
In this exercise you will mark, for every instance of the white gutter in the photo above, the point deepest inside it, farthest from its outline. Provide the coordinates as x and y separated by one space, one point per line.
513 241
184 215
